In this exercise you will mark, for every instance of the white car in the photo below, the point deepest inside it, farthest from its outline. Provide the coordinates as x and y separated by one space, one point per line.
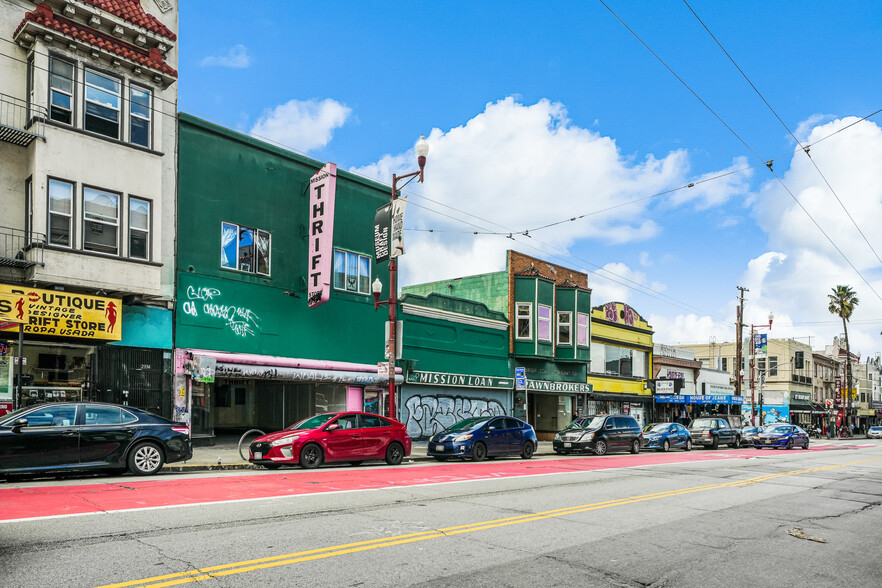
874 433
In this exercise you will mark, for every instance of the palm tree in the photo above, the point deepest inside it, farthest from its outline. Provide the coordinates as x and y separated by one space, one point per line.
843 301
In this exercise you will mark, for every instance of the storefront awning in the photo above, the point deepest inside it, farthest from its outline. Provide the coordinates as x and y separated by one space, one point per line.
267 367
706 399
800 407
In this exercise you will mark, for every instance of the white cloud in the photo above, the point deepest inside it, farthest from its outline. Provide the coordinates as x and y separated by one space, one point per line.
303 125
645 259
236 57
717 187
517 167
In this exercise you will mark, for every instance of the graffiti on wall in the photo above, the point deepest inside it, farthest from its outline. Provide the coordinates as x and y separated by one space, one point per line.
427 415
239 319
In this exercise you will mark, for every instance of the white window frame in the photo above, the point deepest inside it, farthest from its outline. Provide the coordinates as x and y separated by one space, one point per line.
53 89
362 286
568 323
50 213
133 115
580 327
528 316
146 231
254 239
117 108
544 321
102 221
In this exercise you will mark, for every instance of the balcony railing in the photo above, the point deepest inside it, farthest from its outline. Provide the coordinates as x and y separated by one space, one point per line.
20 123
19 249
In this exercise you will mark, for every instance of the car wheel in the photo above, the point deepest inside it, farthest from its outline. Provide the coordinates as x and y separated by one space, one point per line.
600 447
145 459
394 453
688 444
271 466
528 450
806 444
479 452
355 463
716 443
666 445
790 444
440 458
311 456
736 444
635 446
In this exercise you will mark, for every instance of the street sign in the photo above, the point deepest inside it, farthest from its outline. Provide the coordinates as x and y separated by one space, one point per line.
396 247
664 386
760 345
520 378
382 220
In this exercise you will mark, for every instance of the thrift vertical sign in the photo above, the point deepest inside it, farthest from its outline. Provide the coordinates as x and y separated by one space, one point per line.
322 190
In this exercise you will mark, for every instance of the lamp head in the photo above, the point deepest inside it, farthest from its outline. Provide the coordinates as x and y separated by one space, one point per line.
376 288
422 149
771 318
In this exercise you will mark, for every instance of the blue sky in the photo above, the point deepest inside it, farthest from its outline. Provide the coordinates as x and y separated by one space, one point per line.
542 111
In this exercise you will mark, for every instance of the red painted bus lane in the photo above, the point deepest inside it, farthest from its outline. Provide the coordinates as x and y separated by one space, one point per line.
166 491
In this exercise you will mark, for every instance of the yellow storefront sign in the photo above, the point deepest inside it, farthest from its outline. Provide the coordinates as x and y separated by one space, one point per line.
14 308
65 314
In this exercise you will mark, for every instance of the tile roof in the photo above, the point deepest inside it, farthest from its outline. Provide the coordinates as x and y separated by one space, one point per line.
44 16
131 11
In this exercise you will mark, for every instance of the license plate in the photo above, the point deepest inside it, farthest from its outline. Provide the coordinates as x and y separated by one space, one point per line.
767 442
568 444
258 455
439 448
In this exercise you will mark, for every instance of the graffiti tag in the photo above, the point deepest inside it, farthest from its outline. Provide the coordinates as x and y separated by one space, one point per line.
427 415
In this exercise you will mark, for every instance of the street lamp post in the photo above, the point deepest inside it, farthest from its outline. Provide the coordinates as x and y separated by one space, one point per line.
752 358
422 149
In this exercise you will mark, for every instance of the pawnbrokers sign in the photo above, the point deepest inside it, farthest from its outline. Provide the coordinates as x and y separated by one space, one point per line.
322 192
549 386
66 314
462 380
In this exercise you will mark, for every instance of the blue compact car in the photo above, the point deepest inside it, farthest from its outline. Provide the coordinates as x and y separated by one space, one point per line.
481 437
664 436
781 436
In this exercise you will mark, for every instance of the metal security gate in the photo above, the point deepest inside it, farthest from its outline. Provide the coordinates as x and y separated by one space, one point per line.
134 376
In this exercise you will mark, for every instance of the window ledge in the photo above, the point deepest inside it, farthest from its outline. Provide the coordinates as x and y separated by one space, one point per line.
74 129
102 255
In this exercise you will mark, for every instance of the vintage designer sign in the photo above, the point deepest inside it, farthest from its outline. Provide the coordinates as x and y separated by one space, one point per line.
66 314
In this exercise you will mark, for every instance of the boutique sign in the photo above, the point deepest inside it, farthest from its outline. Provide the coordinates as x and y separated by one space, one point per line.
65 314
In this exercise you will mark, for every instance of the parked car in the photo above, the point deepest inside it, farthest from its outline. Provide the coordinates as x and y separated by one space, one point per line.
333 437
874 433
664 436
483 437
748 434
782 435
711 431
599 434
64 436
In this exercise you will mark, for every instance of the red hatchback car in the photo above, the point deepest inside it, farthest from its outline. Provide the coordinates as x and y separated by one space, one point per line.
333 436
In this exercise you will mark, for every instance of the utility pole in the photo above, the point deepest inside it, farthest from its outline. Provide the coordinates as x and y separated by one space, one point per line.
738 327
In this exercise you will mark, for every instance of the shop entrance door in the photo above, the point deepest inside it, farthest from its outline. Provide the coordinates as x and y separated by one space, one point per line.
376 401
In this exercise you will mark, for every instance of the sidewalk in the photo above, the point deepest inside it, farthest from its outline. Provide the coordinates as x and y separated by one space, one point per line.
225 456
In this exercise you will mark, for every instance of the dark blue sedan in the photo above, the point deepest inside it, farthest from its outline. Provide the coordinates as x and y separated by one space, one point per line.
482 437
781 436
664 436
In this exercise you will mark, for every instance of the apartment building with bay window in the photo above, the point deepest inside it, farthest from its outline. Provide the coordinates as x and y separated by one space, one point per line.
88 90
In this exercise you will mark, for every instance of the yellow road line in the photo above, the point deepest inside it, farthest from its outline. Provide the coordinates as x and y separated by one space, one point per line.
347 548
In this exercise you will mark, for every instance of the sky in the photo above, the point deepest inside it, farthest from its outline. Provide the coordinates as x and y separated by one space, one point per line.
677 150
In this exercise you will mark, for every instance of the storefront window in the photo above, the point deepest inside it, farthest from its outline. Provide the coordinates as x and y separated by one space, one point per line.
54 373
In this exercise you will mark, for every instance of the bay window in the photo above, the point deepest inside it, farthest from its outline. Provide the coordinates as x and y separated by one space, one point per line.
139 116
102 99
564 328
100 221
524 320
60 212
544 323
61 81
139 228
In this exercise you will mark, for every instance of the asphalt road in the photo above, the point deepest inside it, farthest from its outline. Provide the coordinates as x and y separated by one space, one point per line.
703 519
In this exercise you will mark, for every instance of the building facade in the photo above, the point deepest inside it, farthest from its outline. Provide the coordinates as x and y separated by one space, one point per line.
254 347
621 362
87 187
548 311
683 389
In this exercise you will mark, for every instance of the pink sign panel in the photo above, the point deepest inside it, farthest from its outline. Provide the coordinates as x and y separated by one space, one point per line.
322 190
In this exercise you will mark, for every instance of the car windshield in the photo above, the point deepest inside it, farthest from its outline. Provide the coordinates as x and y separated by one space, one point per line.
702 424
876 428
779 430
660 428
468 424
312 422
586 423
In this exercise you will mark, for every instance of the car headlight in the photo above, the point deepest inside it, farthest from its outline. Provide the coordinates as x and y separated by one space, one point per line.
462 438
284 441
587 437
557 436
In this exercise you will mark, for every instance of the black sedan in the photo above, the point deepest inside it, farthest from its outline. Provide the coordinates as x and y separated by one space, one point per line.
66 436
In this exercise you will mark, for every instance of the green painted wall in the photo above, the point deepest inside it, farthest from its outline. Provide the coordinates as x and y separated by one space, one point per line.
226 176
491 289
437 345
